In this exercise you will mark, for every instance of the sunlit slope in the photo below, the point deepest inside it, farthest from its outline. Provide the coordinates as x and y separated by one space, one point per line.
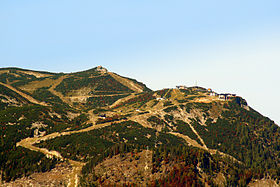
97 120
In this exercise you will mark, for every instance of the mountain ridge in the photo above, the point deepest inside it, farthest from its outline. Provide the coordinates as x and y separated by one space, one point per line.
95 117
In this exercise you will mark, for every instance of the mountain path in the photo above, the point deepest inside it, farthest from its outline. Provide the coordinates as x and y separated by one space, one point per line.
58 94
77 166
28 97
212 151
128 83
188 140
193 129
119 101
195 144
140 119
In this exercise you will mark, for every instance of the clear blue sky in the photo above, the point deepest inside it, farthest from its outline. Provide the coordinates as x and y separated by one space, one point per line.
230 46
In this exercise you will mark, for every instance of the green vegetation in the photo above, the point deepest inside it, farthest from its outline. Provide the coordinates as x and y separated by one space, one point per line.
241 133
163 92
14 76
146 89
106 93
99 83
185 129
139 100
187 160
230 127
84 146
170 109
155 121
18 162
168 117
192 91
86 73
167 103
186 92
6 95
79 122
102 100
168 94
204 107
43 94
182 100
136 142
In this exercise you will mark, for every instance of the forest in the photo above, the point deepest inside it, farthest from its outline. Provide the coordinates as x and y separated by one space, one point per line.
239 144
17 161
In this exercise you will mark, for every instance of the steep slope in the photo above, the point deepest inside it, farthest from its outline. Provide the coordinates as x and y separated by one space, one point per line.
98 120
10 98
97 87
133 85
34 104
28 97
229 128
87 89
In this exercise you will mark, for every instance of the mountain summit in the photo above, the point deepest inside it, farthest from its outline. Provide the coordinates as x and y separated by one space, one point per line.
101 69
96 127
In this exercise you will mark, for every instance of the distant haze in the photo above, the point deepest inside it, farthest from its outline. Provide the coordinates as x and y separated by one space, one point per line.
229 46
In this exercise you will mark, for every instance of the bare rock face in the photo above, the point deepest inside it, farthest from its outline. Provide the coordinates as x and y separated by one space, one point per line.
101 69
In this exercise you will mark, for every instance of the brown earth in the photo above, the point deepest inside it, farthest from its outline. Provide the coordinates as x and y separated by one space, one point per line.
56 177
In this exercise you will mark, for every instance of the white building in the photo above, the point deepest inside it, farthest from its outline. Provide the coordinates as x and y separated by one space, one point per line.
182 87
160 99
213 94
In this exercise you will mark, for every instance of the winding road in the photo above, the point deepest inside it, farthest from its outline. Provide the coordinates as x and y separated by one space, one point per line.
77 166
28 143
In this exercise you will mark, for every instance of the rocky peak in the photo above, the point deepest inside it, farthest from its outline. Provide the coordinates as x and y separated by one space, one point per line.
101 69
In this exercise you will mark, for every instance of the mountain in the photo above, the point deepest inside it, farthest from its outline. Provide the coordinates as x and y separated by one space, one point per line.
96 127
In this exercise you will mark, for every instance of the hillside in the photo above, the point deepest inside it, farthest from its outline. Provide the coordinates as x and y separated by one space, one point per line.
96 127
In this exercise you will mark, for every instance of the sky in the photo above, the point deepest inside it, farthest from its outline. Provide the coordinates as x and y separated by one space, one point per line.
229 46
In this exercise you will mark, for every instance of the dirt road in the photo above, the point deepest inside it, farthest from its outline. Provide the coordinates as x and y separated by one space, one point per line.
58 94
77 166
28 97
